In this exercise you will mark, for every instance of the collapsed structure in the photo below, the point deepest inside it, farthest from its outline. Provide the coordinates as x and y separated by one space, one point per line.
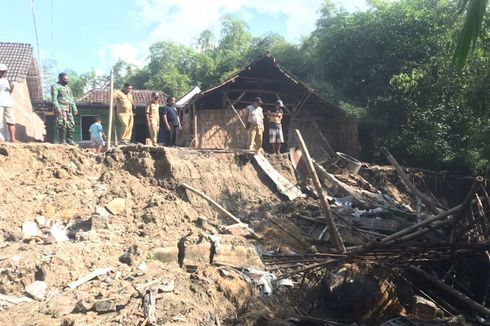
215 118
147 235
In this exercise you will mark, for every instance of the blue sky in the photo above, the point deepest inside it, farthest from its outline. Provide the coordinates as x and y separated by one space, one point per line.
93 34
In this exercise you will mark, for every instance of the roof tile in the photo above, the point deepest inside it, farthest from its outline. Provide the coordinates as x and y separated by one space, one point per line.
18 58
101 96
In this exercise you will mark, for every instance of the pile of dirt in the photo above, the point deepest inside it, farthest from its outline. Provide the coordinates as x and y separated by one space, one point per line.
152 252
49 184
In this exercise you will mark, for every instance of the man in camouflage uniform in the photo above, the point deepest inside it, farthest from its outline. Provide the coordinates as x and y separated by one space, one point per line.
65 108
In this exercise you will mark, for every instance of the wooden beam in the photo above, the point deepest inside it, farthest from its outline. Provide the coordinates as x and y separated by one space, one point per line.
259 80
429 202
266 104
301 105
233 108
420 225
111 110
239 97
330 150
452 292
261 91
220 208
194 117
332 228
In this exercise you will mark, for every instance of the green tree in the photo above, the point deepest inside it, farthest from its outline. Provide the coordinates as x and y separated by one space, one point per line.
392 60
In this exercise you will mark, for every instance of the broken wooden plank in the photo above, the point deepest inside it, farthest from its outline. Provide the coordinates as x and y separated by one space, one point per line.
332 228
149 306
88 277
219 207
14 300
283 185
429 202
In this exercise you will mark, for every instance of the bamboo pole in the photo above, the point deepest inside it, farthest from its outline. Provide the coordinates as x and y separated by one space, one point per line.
454 293
332 228
111 110
194 126
329 148
219 207
420 225
408 184
232 106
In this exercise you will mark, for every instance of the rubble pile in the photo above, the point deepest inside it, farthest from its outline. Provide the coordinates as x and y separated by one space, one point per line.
159 236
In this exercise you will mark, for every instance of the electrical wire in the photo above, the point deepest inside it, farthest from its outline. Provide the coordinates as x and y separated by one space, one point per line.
37 40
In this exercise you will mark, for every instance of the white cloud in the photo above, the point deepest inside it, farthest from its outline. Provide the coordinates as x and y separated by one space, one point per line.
125 51
181 21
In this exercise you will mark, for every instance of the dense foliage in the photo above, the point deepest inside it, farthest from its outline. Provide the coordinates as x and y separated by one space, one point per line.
392 66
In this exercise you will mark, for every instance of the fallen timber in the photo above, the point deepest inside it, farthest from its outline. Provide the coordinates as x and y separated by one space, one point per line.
457 234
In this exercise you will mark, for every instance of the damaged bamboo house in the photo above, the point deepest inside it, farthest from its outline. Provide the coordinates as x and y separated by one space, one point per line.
216 118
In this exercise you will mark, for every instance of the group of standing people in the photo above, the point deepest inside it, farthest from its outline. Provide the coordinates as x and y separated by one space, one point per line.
65 109
255 125
167 115
156 116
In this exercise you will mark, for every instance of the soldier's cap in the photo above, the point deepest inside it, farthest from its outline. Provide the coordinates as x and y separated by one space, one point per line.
3 67
280 104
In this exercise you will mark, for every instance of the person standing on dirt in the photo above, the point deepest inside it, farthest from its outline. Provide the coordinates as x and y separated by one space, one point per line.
255 125
276 137
153 117
97 135
65 108
171 121
6 105
123 100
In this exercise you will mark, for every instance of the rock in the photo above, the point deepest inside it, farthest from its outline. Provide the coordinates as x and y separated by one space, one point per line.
80 307
41 220
101 211
236 251
37 290
30 229
236 229
424 309
116 206
87 236
105 305
58 232
126 258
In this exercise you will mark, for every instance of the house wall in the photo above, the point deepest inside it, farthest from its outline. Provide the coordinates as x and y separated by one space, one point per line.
340 131
29 126
221 128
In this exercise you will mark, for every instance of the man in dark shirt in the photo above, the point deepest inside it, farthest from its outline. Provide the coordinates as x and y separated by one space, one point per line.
171 122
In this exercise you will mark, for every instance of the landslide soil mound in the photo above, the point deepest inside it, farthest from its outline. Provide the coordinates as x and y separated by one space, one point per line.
66 184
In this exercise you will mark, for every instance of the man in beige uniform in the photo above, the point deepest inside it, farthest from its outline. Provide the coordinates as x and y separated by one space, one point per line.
124 104
153 117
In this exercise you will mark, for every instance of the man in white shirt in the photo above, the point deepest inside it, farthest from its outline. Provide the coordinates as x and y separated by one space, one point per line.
255 125
6 105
